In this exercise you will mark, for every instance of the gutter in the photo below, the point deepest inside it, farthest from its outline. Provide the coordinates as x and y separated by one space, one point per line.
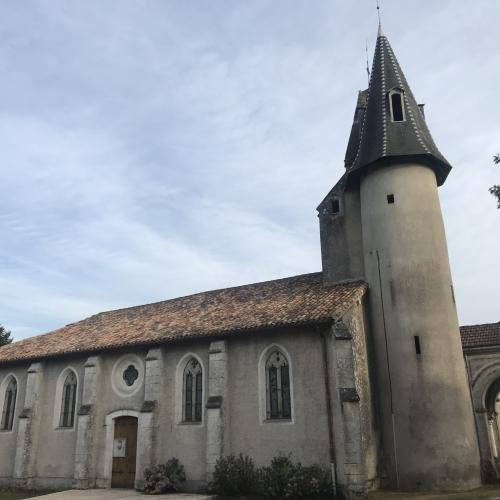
159 342
329 412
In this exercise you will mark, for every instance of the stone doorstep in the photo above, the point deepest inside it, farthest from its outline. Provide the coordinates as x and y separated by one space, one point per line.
118 494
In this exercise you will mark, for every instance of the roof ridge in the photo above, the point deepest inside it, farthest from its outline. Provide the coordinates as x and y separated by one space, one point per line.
216 290
131 308
480 324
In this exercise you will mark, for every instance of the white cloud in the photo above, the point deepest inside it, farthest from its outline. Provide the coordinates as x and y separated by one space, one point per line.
151 152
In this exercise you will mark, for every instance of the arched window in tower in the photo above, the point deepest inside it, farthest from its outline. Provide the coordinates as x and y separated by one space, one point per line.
278 386
68 404
9 405
193 391
396 105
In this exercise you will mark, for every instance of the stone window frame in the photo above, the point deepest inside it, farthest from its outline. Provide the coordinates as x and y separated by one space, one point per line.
118 384
179 389
263 386
482 378
339 199
68 401
193 373
58 399
397 91
3 391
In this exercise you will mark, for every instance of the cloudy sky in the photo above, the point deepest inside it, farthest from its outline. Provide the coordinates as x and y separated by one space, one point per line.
152 149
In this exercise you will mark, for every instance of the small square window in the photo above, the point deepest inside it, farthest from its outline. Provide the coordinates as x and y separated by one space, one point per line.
335 206
390 198
418 349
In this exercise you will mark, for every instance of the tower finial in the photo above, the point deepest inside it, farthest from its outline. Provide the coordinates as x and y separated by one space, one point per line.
378 14
380 31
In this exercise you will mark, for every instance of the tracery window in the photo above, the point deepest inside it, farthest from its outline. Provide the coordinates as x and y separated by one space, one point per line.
130 375
68 404
278 386
9 406
193 391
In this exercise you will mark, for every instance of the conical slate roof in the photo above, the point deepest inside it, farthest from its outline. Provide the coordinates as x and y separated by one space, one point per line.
353 144
380 136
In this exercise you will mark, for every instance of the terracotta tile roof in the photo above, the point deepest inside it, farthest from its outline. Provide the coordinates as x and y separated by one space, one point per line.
289 301
486 335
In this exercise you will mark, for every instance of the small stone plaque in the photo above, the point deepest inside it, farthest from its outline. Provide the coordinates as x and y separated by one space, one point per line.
214 403
120 448
348 395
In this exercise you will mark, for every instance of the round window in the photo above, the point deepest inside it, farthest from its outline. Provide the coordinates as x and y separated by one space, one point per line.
128 375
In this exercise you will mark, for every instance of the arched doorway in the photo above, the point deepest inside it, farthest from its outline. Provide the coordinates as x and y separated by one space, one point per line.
124 452
492 405
485 391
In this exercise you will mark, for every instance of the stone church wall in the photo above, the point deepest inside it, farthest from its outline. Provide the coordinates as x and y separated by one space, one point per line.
354 412
8 439
108 401
305 437
38 453
185 441
53 446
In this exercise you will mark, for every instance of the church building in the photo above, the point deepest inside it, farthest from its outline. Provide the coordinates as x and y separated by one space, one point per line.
361 367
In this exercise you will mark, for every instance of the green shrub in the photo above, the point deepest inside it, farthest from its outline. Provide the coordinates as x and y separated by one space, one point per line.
275 478
285 479
234 476
164 478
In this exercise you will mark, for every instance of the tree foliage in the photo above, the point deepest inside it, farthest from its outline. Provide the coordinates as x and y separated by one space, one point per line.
5 337
495 190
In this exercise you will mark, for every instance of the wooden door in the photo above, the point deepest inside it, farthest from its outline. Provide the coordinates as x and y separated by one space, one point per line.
124 452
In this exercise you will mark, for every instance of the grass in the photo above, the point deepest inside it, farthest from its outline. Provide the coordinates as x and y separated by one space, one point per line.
489 492
20 494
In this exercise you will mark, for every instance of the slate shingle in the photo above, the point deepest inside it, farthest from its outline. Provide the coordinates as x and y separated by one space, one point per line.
378 137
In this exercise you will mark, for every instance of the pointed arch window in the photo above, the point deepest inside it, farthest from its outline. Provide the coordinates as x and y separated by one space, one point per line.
193 391
396 105
9 406
278 386
68 403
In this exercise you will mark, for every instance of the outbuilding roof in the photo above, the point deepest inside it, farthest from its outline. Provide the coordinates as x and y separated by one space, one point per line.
284 302
486 335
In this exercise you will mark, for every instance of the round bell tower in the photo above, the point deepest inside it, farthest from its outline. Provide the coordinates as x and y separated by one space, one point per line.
428 433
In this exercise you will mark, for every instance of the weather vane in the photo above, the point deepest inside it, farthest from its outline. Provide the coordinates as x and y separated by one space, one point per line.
367 64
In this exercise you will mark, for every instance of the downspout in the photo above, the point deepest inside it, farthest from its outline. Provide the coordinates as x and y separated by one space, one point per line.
393 419
329 411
